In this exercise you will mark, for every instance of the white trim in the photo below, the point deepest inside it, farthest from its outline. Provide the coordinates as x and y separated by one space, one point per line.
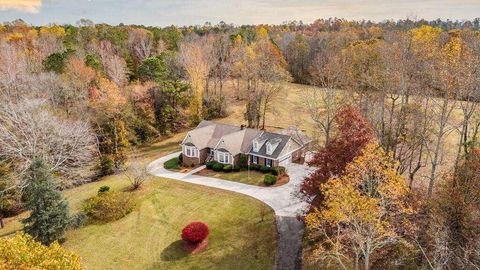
227 158
289 153
190 151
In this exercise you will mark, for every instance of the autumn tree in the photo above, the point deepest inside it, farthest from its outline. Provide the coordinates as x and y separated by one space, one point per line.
109 125
353 132
364 211
22 252
194 58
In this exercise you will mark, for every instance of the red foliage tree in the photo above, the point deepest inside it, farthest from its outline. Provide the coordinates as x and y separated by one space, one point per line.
195 232
353 132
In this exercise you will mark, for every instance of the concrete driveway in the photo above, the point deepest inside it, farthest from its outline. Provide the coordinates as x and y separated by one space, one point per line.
284 200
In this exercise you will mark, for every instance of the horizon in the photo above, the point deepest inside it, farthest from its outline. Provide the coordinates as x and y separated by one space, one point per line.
191 13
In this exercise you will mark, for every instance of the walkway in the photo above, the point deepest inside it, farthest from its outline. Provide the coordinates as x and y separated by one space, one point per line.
281 199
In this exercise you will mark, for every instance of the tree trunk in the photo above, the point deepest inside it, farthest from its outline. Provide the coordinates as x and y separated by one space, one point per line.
1 222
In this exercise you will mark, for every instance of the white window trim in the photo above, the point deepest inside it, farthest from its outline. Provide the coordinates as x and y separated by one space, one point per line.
190 151
224 157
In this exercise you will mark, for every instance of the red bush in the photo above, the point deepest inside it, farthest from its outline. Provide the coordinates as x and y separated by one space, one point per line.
195 232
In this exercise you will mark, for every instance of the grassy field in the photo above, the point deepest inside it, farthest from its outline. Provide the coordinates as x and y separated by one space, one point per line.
251 178
242 229
149 237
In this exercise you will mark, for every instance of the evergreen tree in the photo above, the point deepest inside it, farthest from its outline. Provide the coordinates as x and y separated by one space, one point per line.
49 212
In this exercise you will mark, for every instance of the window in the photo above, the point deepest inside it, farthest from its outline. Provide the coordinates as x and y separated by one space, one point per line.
224 158
254 159
255 146
269 149
269 162
190 151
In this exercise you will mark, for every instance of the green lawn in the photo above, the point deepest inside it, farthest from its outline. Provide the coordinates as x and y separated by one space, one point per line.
245 177
172 164
149 237
242 229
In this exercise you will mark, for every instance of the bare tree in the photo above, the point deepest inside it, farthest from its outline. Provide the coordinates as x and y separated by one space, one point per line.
136 173
140 43
28 130
115 66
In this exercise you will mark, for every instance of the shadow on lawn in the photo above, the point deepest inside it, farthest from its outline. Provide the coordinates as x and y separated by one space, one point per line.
174 251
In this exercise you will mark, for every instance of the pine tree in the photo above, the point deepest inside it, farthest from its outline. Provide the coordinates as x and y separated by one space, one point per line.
49 218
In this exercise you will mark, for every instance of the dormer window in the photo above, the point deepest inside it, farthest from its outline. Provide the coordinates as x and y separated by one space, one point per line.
269 149
255 146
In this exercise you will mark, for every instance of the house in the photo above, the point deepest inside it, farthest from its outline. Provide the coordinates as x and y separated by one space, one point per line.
226 143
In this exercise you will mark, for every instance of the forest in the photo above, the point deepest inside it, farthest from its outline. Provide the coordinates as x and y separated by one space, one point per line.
394 107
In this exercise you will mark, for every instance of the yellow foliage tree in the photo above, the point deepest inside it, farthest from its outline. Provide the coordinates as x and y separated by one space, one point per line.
53 30
23 252
364 210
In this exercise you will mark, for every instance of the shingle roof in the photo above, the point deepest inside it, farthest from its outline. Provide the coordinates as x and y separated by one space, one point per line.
240 141
207 134
237 140
270 136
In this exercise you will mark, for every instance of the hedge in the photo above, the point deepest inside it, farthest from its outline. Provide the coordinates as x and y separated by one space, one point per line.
265 169
227 168
210 164
217 167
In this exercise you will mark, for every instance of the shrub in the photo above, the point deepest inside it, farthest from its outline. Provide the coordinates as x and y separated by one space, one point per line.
23 252
173 163
103 189
255 167
210 164
279 171
109 207
265 169
217 167
227 168
195 232
236 168
269 179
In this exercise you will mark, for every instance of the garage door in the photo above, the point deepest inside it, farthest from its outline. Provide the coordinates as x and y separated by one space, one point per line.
285 161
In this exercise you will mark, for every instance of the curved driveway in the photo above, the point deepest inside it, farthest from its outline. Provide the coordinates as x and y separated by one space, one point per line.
282 199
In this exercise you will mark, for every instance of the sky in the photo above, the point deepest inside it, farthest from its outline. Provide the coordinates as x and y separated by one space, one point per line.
197 12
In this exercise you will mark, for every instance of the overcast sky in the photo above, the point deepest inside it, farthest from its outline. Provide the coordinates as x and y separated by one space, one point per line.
191 12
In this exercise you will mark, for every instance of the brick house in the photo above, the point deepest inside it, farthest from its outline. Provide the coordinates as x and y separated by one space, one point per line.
226 143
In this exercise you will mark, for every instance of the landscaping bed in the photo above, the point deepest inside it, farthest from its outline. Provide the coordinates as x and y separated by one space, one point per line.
253 175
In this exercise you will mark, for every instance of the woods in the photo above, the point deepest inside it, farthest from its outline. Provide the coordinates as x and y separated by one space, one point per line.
388 100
